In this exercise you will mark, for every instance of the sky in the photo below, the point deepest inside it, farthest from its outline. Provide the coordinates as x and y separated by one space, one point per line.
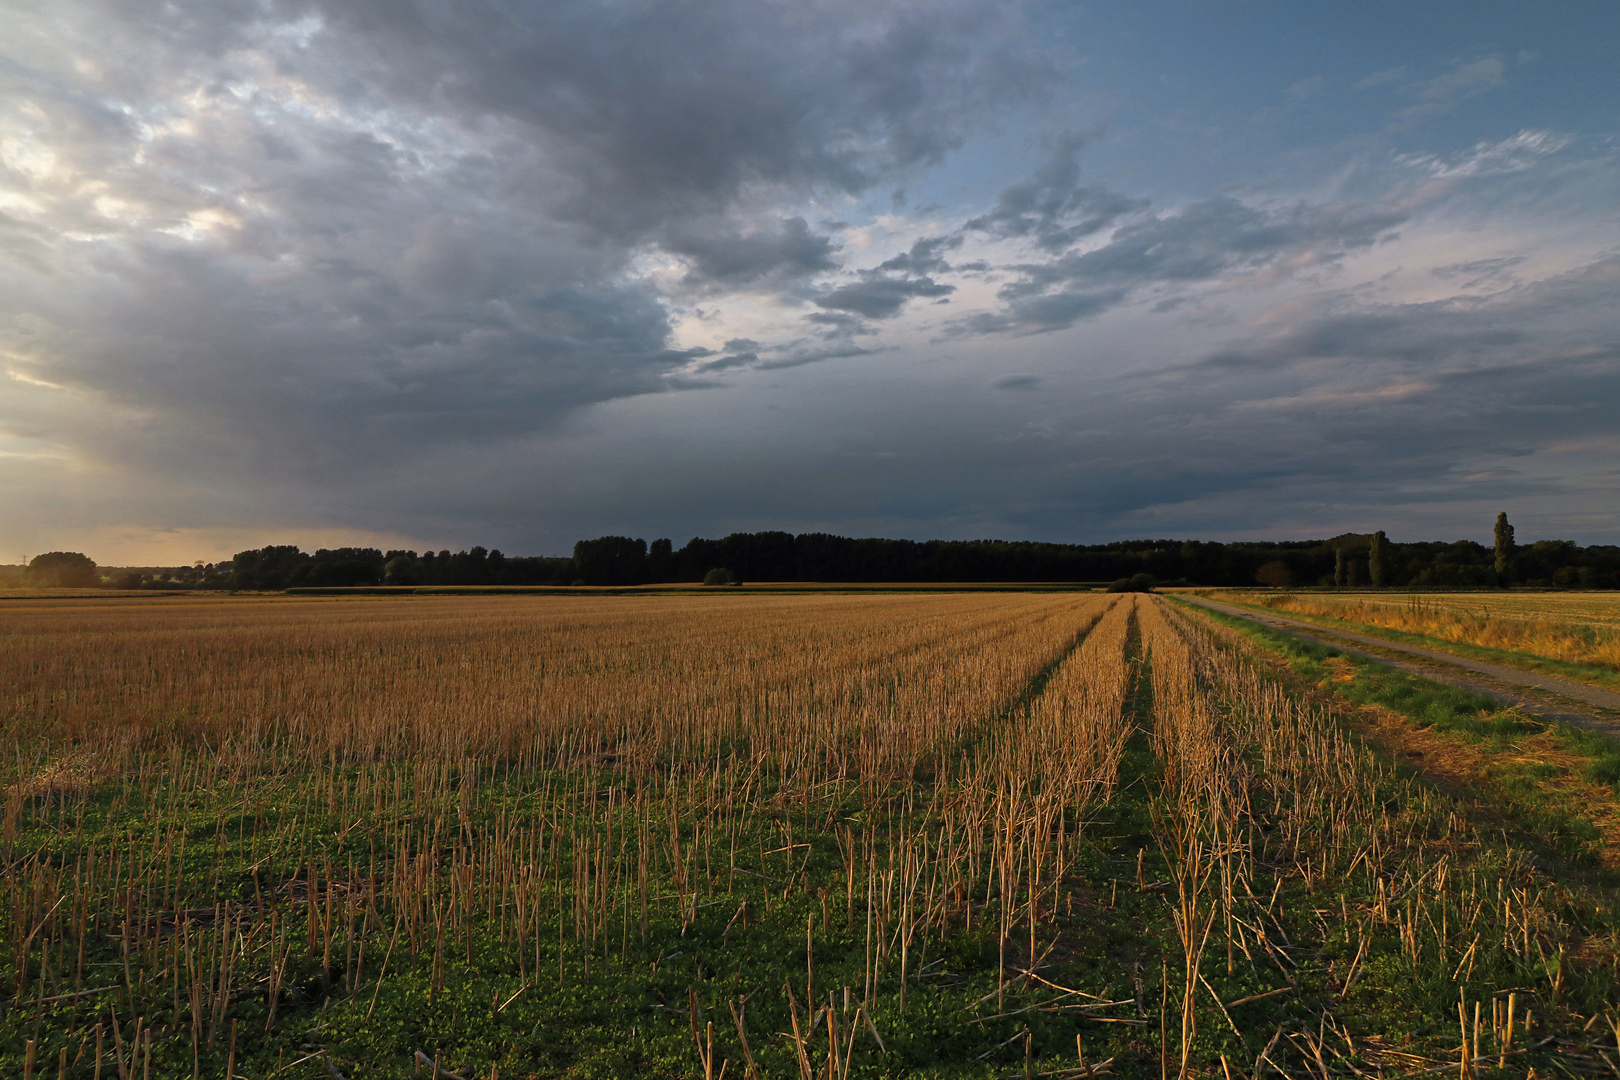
401 273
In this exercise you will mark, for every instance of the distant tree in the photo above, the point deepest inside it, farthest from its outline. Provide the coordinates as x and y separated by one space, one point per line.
611 560
402 569
341 567
63 570
1135 583
1338 566
268 567
719 576
1377 555
1504 548
661 560
1275 575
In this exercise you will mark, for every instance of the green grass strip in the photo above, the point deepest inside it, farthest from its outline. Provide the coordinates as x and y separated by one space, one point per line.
1590 673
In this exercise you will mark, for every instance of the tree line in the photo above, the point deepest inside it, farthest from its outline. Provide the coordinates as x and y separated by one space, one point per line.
1349 560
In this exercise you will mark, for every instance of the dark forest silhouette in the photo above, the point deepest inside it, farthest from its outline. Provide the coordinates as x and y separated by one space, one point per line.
1350 559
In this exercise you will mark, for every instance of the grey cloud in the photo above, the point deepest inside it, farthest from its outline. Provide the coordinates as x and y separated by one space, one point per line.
729 362
1488 267
661 109
924 256
721 255
1327 412
1051 206
1481 273
812 354
881 296
881 292
1422 338
388 379
1039 313
1421 387
839 322
1395 411
834 339
1562 316
738 353
1294 450
1199 243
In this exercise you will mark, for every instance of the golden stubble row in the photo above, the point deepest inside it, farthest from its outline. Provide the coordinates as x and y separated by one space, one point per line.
1013 703
853 682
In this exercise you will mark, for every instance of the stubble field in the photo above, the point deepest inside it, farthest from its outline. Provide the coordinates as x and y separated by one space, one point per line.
986 835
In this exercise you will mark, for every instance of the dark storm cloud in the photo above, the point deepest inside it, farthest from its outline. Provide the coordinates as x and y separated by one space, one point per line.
338 236
1333 411
1217 451
662 108
1320 416
1207 240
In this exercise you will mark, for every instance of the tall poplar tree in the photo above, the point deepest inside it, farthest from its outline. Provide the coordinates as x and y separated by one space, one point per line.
1504 548
1376 558
1338 566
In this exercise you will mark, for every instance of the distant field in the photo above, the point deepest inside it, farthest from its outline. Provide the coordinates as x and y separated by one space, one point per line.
762 835
20 592
1578 628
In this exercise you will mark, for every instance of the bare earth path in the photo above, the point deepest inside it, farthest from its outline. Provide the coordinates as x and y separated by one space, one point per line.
1544 695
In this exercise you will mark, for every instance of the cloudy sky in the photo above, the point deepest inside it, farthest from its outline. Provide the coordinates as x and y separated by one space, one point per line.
433 273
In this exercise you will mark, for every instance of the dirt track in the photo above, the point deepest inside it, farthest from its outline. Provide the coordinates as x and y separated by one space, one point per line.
1544 695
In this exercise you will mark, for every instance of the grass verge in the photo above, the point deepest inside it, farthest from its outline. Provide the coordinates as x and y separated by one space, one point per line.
1605 678
1550 815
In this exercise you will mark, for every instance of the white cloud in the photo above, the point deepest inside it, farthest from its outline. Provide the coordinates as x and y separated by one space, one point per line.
1513 154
